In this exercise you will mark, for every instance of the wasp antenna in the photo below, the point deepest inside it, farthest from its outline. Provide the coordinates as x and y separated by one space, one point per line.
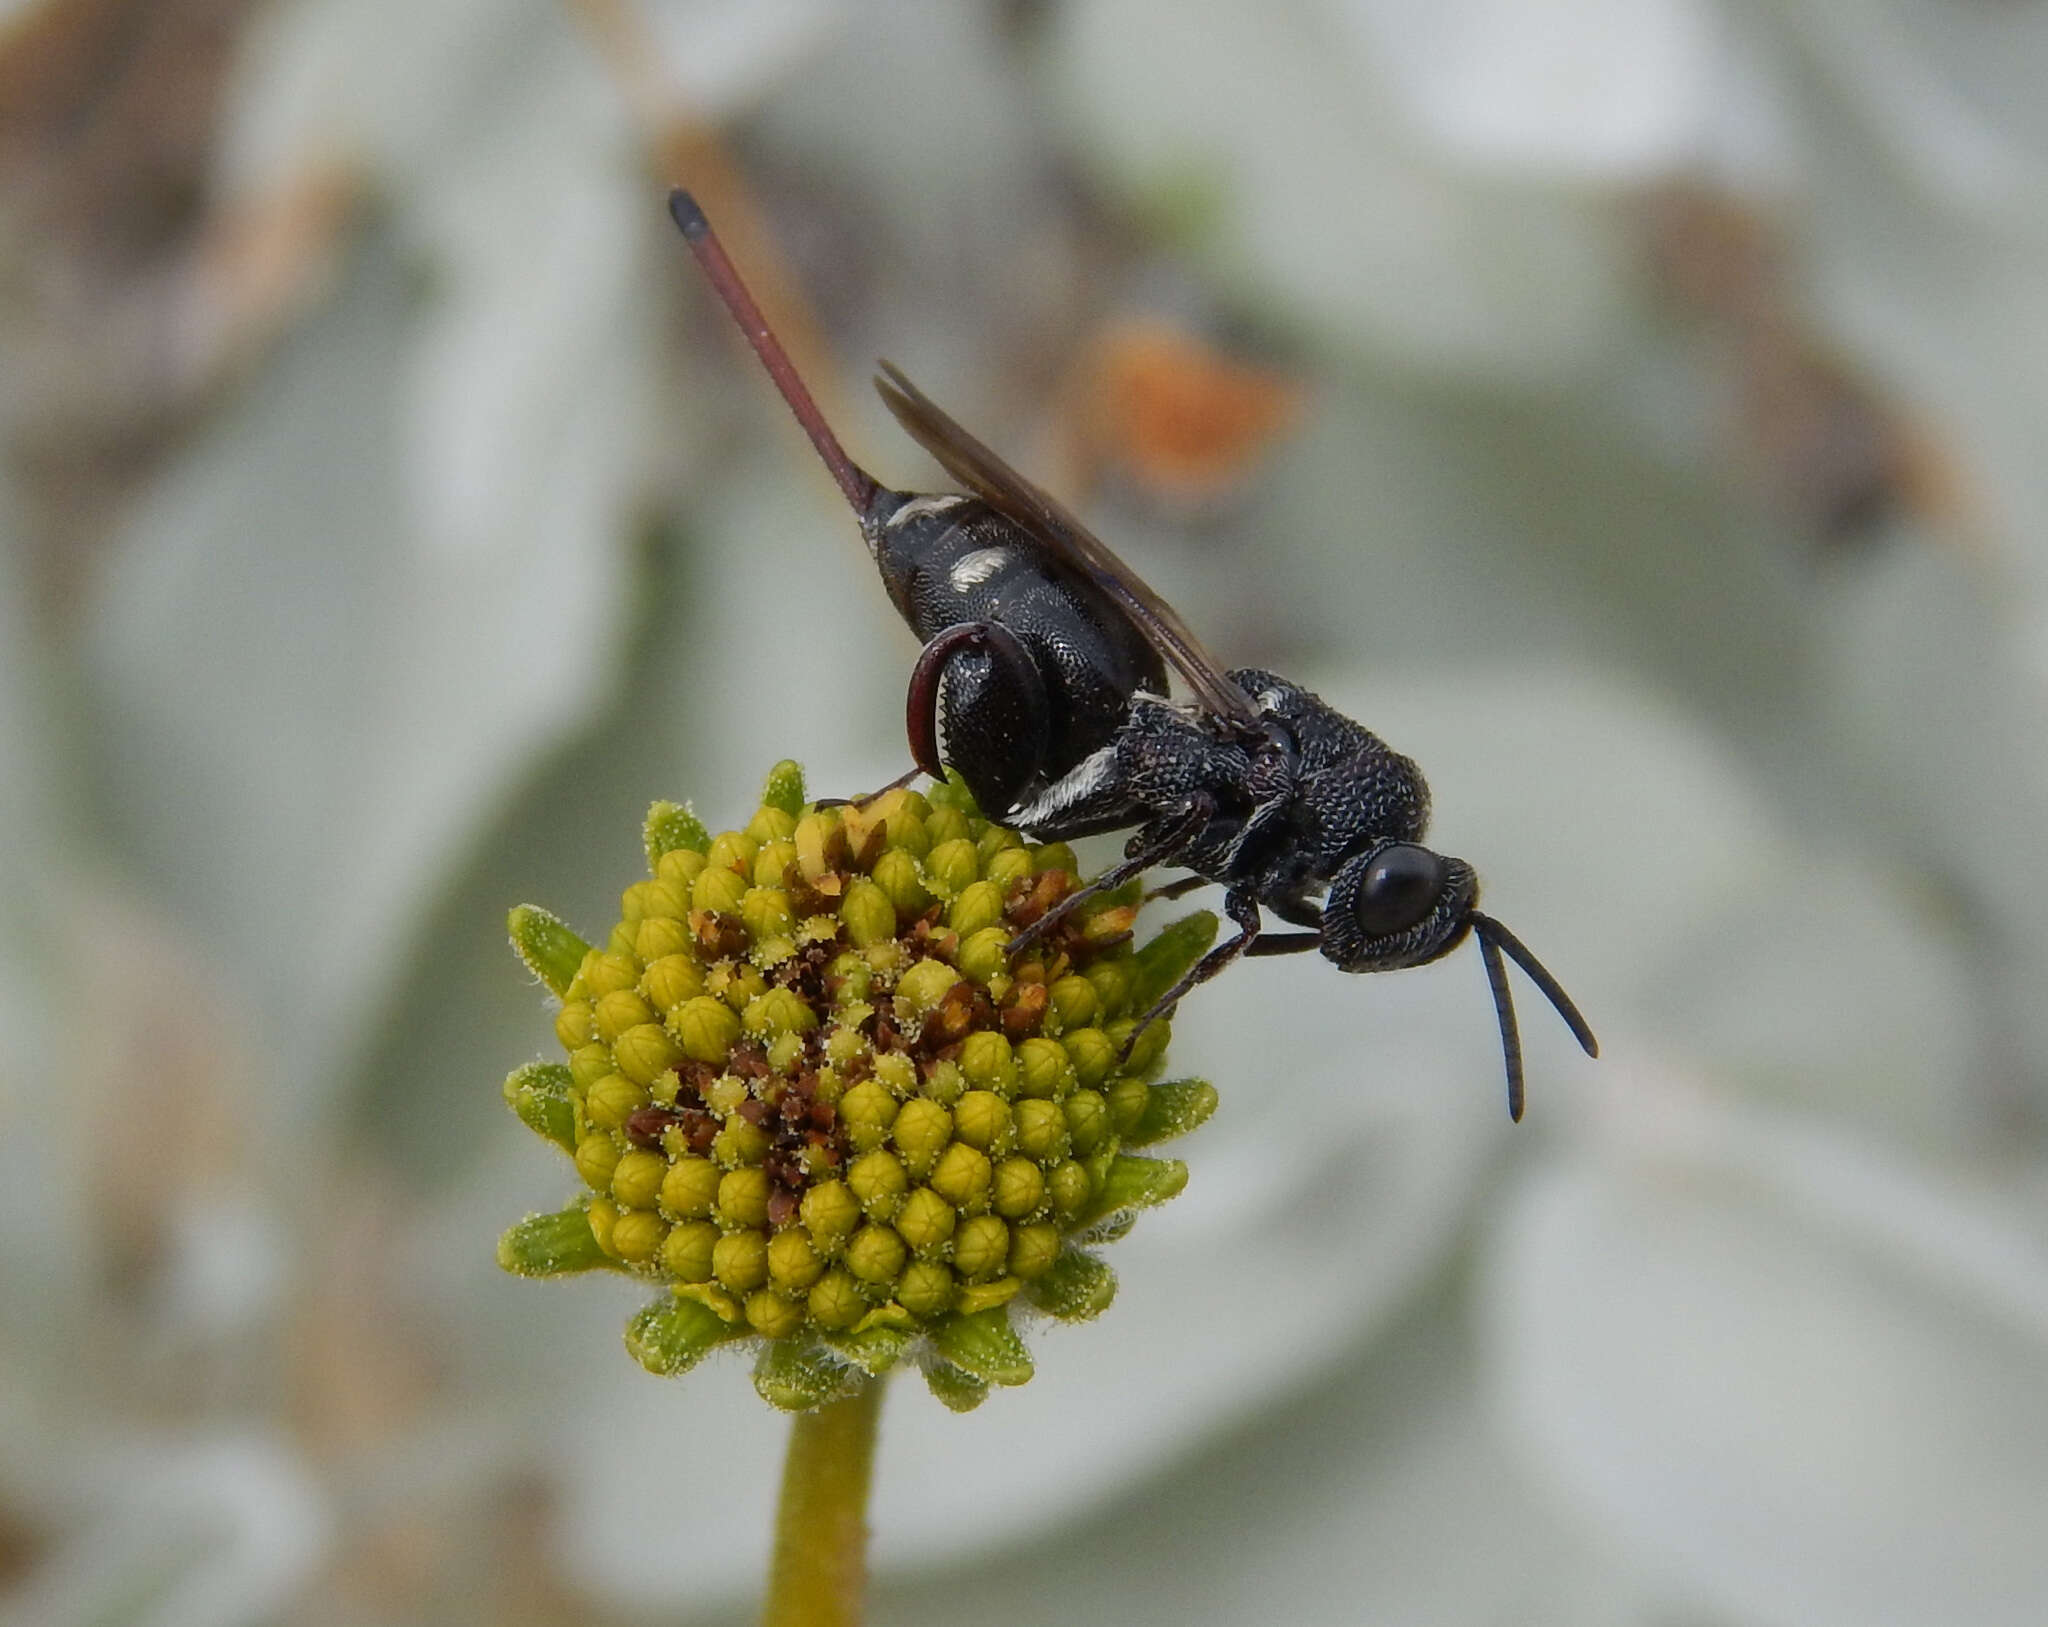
1504 1009
724 277
1553 991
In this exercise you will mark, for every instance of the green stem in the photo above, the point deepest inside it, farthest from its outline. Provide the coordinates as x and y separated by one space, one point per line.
820 1567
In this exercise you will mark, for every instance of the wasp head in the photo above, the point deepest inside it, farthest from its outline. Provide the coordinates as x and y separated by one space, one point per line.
1398 904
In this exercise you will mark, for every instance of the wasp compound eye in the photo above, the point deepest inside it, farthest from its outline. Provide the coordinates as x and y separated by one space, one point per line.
1401 887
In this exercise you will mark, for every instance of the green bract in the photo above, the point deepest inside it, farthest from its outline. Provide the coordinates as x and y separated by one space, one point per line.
809 1093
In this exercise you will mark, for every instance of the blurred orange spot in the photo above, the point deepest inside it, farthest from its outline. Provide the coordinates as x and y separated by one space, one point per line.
1175 415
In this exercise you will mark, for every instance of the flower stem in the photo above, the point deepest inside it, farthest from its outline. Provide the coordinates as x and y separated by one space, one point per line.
819 1571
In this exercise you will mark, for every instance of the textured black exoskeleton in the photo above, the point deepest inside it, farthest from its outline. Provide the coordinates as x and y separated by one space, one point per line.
1045 671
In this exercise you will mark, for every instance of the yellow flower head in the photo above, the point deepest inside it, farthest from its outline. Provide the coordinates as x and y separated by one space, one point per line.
811 1094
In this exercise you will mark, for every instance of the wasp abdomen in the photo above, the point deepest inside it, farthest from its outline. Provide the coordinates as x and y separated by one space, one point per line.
953 562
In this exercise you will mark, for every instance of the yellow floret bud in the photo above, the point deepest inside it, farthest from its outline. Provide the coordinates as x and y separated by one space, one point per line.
878 1180
953 866
1092 1054
845 1043
679 867
705 1027
981 1118
597 1155
686 1251
923 1127
1074 999
1019 1188
1111 980
1008 867
1033 1249
981 1247
772 823
875 1254
946 823
866 1112
767 914
793 1264
589 1063
836 1301
896 874
638 1234
1126 1097
671 981
830 1211
658 937
743 1197
607 974
988 1061
690 1188
897 1071
979 906
1054 856
944 1083
778 1012
962 1177
645 1052
771 1315
925 1221
851 978
612 1100
652 900
732 850
575 1024
1043 1069
1088 1120
926 1288
985 955
637 1178
718 890
920 989
1068 1188
739 1260
618 1011
868 915
1041 1129
737 985
739 1143
604 1215
772 863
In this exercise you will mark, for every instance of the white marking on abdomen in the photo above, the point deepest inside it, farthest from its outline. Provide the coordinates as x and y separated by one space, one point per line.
971 570
919 507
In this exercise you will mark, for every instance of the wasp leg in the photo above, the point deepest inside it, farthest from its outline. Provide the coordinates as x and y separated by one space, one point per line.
866 797
1242 908
1283 943
1161 848
1177 889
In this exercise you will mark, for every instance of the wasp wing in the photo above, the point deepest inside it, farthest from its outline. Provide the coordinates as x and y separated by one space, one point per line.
977 468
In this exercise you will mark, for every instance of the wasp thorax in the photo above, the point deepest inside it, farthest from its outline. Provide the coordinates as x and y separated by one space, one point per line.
810 1093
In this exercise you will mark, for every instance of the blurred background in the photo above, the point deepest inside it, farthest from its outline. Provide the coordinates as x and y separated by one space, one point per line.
1633 409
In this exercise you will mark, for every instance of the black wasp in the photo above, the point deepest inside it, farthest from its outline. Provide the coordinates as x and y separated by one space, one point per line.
1046 659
